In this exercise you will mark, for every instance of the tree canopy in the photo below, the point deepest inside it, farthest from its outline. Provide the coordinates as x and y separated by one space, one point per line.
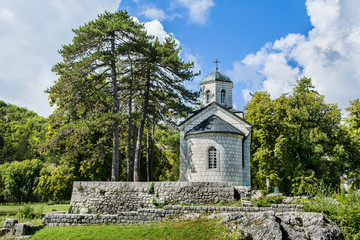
296 139
114 82
118 96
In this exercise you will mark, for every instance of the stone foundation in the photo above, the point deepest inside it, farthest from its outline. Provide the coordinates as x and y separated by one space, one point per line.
116 197
150 215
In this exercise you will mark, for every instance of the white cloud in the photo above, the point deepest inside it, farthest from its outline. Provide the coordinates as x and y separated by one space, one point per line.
31 34
156 29
153 13
330 55
246 95
198 9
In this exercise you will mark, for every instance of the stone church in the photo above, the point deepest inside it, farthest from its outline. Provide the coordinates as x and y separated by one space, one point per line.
215 140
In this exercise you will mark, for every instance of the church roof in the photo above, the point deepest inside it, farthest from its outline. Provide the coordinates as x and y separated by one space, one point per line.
215 76
214 124
197 112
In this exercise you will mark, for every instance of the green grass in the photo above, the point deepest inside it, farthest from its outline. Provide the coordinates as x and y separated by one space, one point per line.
10 211
199 229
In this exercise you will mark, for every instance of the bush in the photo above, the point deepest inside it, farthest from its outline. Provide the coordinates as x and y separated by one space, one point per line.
340 208
160 204
27 212
151 189
266 201
56 183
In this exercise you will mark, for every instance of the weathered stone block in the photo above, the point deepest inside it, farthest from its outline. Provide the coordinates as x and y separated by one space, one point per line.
10 222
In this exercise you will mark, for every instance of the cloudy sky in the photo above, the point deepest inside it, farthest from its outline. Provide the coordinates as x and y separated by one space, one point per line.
261 44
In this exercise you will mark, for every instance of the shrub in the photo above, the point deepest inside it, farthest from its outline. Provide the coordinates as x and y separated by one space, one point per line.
340 208
80 187
266 201
27 212
151 189
160 204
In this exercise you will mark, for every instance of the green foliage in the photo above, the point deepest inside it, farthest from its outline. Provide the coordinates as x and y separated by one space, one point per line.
297 139
70 210
80 187
21 133
167 154
351 151
56 184
305 182
151 189
11 210
342 209
160 204
27 212
19 180
267 200
111 61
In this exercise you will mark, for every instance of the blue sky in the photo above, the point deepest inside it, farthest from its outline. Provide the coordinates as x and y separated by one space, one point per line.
262 45
225 30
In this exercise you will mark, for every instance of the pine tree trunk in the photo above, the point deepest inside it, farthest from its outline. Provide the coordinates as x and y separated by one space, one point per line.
151 160
147 155
134 137
129 169
115 156
141 131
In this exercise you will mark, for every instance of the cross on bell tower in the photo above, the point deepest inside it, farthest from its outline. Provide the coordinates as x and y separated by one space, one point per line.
216 62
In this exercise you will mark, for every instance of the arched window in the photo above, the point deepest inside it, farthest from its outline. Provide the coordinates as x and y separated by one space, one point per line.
207 96
222 96
212 157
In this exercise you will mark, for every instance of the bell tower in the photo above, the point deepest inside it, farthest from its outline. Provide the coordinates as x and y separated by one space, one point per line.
216 87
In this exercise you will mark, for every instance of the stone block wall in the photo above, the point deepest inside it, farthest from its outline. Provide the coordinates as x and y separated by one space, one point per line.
229 154
150 215
227 86
116 197
246 174
187 159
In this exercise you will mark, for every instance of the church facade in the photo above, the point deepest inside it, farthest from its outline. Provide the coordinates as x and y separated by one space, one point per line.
215 140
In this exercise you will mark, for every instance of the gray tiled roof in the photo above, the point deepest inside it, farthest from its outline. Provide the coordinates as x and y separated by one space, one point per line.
217 76
214 124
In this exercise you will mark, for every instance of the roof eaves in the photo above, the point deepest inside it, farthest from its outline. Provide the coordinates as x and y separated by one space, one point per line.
241 133
195 114
233 114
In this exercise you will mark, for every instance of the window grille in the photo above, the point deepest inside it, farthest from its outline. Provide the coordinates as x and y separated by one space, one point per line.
212 157
222 96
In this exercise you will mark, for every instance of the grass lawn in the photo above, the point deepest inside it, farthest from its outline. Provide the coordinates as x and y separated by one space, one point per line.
10 211
199 229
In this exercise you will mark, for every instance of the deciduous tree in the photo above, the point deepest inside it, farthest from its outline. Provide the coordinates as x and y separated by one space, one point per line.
295 139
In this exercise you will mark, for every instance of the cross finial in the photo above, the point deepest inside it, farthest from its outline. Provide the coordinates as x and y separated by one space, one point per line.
216 62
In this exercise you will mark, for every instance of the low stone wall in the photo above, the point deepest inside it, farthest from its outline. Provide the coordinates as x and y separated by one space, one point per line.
149 215
116 197
12 227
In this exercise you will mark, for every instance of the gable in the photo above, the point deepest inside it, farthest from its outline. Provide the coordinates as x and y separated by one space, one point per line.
214 124
219 111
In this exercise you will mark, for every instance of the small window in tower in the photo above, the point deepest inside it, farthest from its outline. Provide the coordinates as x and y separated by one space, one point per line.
222 96
207 96
212 158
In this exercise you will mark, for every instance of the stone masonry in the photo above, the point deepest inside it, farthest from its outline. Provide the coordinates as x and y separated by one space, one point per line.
149 215
116 197
216 133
